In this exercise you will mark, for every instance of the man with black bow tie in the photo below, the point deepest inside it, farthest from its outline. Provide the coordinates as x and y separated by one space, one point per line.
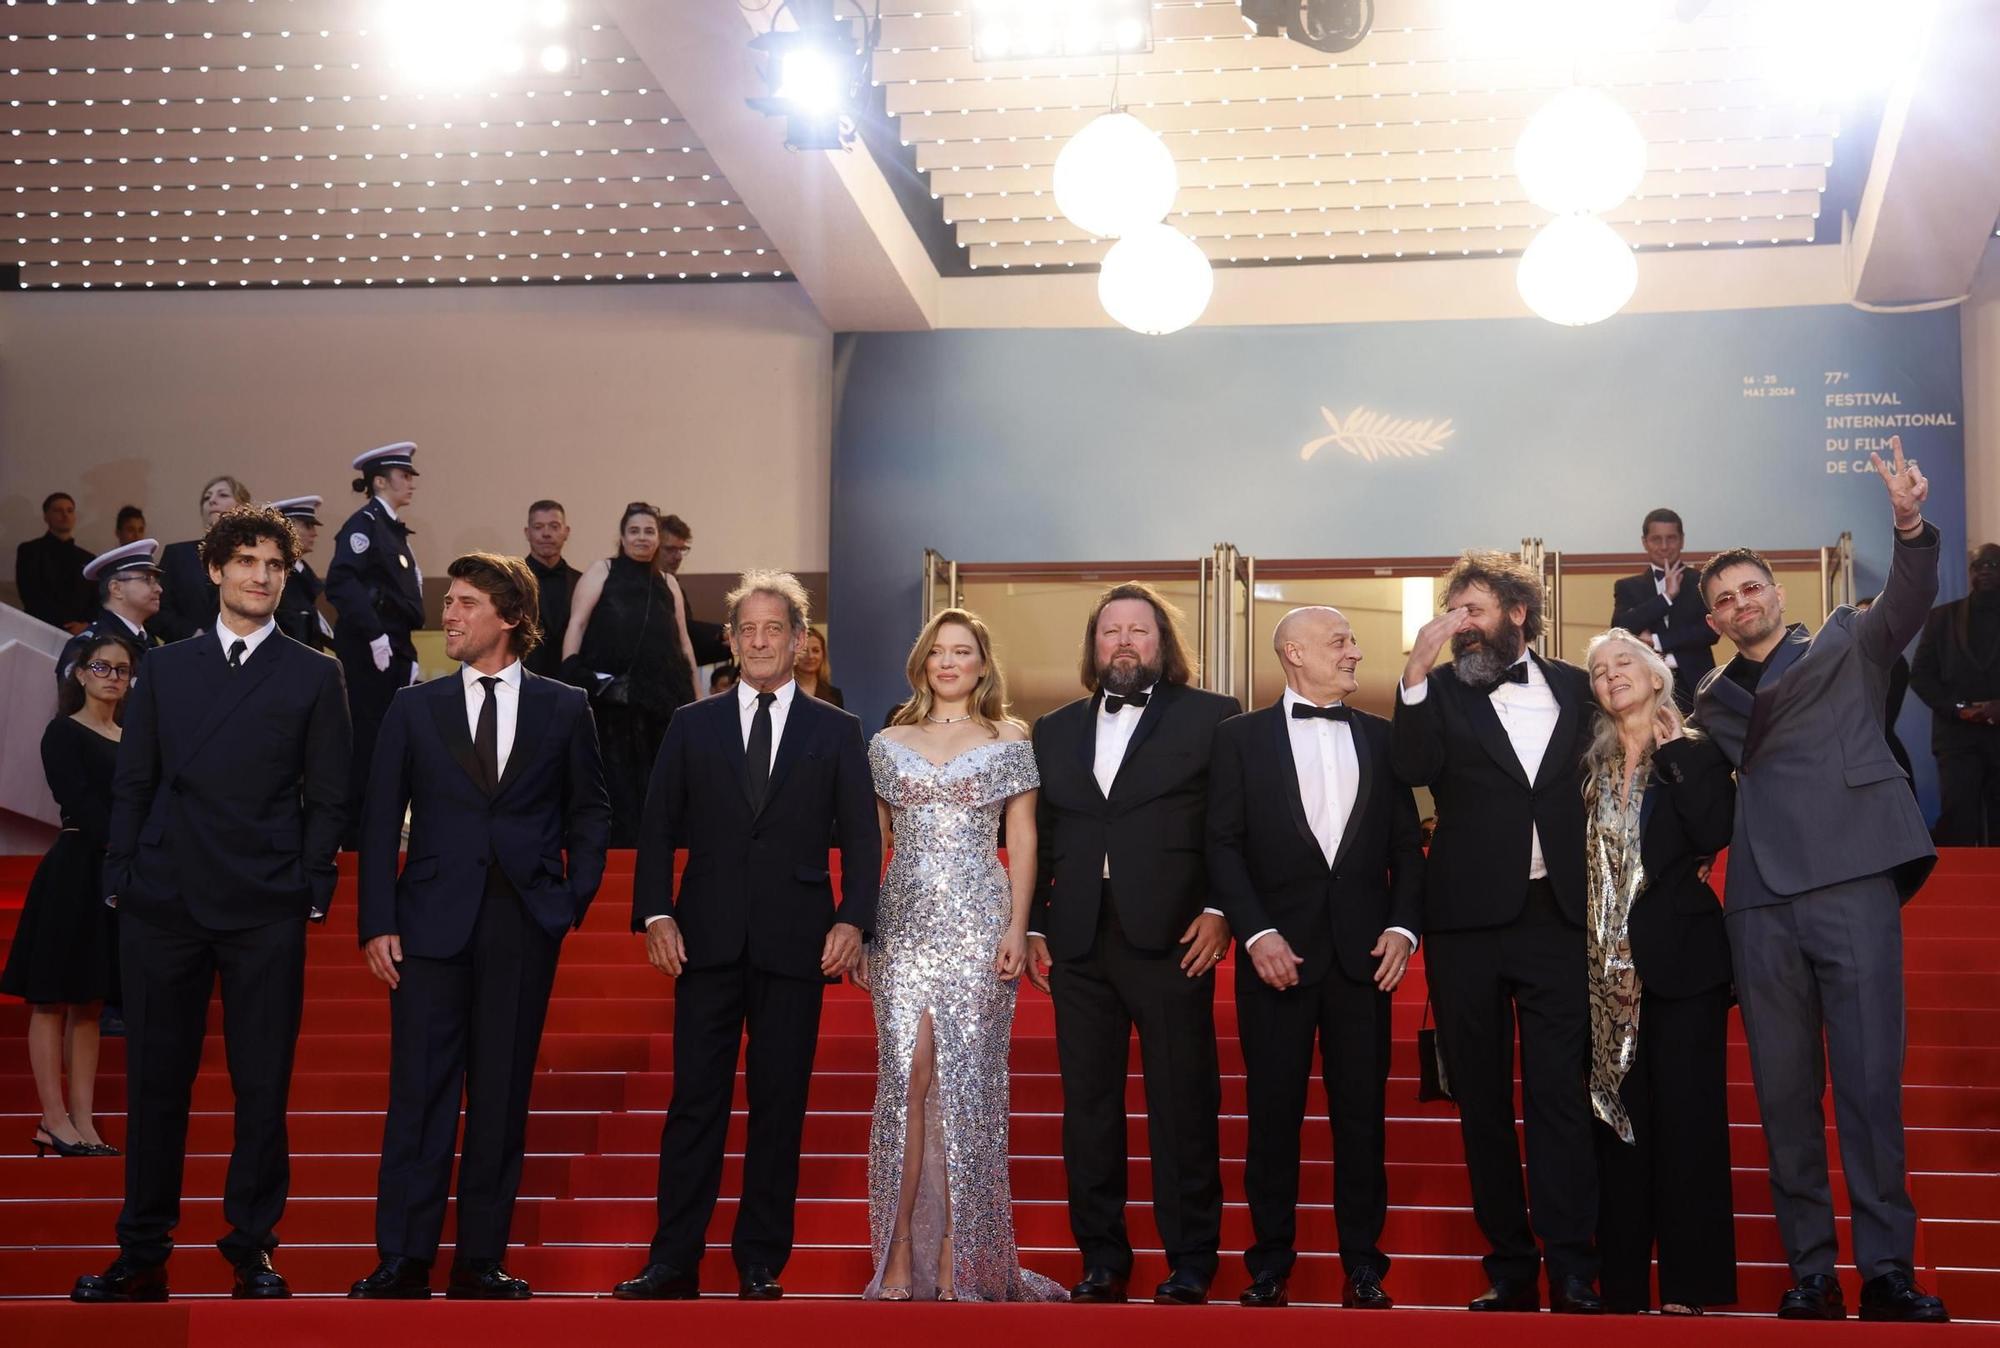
1660 606
500 773
1498 736
1123 936
221 849
1317 857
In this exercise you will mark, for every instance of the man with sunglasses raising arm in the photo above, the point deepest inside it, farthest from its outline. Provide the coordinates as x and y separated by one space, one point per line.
1828 845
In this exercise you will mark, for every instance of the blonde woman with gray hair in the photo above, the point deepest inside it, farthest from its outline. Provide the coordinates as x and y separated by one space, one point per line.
1659 803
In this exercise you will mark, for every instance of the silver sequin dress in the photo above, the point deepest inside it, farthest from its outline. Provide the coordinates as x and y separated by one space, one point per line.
945 904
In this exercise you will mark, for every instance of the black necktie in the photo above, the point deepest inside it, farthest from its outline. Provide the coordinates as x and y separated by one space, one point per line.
757 753
486 739
1305 711
1114 703
1514 673
236 649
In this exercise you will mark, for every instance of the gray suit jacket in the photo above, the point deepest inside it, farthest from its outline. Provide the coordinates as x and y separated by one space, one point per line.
1819 797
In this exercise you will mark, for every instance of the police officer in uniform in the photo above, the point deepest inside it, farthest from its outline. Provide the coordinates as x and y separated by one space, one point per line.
128 595
298 607
377 592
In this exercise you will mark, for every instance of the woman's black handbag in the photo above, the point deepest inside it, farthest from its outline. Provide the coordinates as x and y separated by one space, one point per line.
1432 1082
621 690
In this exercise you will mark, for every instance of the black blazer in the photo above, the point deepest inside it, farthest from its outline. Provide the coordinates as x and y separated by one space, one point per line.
556 586
1686 816
231 789
550 800
759 882
298 607
189 600
1947 672
49 573
1267 868
374 587
1154 826
1453 742
1681 626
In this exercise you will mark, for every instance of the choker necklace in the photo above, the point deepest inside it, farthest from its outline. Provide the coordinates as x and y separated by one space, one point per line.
947 720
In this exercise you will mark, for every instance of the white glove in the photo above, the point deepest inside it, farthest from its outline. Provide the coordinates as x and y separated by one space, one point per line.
379 648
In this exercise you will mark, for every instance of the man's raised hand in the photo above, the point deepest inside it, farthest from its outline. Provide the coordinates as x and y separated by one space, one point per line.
1908 487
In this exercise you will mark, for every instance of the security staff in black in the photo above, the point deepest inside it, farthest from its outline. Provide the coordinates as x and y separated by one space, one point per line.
126 580
377 593
298 607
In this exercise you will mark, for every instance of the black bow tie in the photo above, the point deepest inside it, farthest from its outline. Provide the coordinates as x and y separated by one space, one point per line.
1659 574
1113 703
1305 711
1514 673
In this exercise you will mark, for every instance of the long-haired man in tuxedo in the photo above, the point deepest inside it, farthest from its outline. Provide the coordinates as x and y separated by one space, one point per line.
1124 936
1498 736
226 810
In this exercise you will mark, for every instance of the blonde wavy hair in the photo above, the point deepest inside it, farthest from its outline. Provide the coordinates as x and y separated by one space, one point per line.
989 696
1605 748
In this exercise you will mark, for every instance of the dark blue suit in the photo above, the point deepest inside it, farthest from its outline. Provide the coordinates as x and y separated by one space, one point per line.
754 907
480 909
376 590
227 807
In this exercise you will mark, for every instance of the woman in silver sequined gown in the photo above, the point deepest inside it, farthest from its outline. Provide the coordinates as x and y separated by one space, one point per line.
943 966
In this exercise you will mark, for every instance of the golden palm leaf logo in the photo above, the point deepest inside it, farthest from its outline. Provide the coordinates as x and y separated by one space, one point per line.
1369 436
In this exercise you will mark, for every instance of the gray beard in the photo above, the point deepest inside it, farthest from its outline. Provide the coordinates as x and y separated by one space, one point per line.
1119 682
1489 661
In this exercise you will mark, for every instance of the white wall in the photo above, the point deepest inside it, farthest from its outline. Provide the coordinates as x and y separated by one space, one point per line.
1980 336
713 401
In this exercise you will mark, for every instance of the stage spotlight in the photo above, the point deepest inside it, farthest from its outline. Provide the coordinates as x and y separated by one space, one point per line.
1323 25
817 73
1025 30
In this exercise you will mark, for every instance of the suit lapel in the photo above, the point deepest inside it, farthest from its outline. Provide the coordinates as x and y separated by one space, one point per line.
1567 712
1787 654
448 710
798 725
531 718
231 689
1086 739
1280 739
1486 725
1149 721
728 730
1364 786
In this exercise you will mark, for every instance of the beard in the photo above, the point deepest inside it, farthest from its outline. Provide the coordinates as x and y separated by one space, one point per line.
1122 679
1480 659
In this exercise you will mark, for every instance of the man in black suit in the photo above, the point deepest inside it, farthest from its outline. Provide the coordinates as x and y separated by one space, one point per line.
1957 674
48 570
500 772
753 783
1498 736
1662 606
1317 858
711 644
1123 936
128 595
225 814
547 530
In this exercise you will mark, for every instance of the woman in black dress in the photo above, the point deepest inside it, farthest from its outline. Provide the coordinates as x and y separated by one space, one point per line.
813 671
188 602
65 957
1661 802
628 647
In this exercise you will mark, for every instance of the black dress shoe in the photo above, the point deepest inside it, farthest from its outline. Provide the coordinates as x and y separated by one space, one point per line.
484 1280
758 1283
1893 1296
125 1280
658 1282
1508 1294
1571 1295
1267 1290
1100 1285
256 1280
1817 1297
1182 1288
395 1280
1363 1292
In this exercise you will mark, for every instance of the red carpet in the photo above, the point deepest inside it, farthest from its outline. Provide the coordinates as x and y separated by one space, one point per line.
586 1206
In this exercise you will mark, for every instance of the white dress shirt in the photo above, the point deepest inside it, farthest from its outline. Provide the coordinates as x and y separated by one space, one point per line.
1528 713
226 638
1666 619
1329 775
506 706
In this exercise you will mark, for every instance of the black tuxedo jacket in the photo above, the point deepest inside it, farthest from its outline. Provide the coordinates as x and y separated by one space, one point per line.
189 600
1153 827
49 573
1681 626
757 882
231 788
1948 671
1685 817
1267 869
1487 809
550 800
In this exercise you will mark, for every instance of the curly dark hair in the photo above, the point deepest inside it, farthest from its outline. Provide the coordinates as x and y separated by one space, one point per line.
245 526
1514 584
1729 557
512 587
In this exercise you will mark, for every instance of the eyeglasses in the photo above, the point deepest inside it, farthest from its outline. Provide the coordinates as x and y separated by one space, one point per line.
678 549
104 669
1725 601
149 579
